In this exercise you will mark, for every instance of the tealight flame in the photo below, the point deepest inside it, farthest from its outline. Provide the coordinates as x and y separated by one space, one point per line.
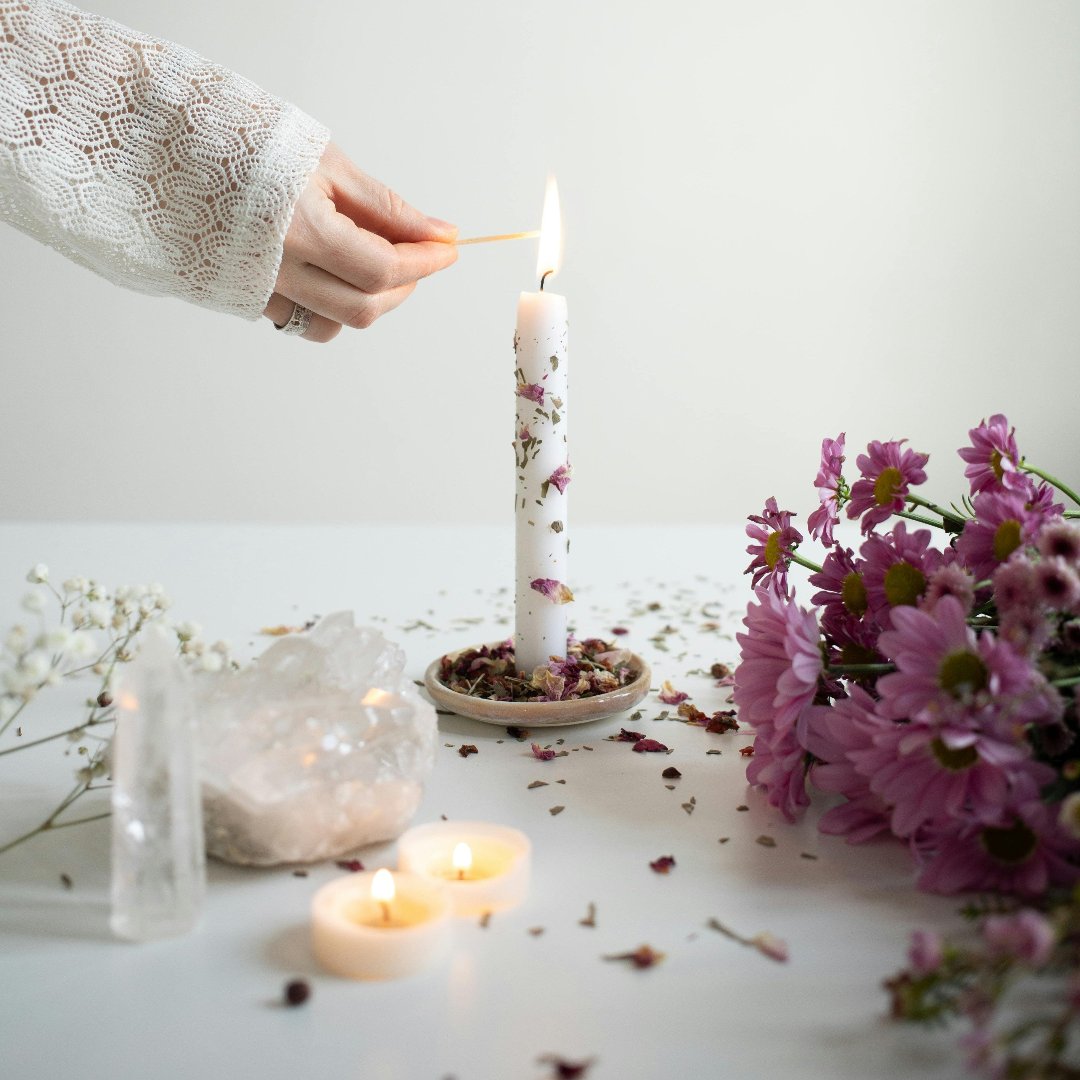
550 256
128 701
462 859
382 886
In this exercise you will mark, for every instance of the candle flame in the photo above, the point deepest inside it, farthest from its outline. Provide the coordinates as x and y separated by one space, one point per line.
382 886
128 701
462 857
550 256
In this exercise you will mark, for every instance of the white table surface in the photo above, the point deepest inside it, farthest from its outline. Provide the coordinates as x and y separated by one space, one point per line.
75 1003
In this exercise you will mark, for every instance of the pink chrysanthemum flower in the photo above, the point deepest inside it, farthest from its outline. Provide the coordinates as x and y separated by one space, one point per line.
945 675
896 569
928 773
1024 853
774 539
779 766
780 663
888 472
1060 540
1014 585
844 605
1004 522
1026 935
949 580
993 459
831 735
828 483
1057 585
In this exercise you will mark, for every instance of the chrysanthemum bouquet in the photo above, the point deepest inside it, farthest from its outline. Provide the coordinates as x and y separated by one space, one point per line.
930 684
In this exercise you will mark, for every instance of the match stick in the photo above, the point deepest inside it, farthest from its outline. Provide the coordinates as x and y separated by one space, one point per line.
501 236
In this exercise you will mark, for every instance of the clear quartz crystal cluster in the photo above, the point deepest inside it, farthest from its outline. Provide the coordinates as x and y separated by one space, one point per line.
315 749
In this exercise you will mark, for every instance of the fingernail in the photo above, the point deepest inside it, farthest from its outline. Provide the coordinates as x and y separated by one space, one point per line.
444 226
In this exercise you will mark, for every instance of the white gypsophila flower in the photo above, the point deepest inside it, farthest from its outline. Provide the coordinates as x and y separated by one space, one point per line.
34 602
8 706
188 630
79 617
95 591
1069 815
99 614
15 682
75 585
118 621
211 662
163 602
17 640
222 646
56 640
147 607
81 645
52 677
38 574
35 665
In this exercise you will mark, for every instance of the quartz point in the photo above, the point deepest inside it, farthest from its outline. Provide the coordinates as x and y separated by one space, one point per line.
317 748
158 856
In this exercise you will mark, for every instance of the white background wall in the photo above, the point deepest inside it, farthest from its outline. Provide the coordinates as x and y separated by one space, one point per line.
783 220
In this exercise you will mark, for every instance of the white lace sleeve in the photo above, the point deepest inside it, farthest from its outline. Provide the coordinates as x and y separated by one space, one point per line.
143 161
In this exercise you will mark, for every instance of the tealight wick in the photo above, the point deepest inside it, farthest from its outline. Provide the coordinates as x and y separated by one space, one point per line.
382 891
385 910
544 278
462 859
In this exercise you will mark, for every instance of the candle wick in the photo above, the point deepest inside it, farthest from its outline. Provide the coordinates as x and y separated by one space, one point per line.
461 875
385 910
546 272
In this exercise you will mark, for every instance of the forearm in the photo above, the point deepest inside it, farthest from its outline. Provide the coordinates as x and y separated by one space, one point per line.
138 158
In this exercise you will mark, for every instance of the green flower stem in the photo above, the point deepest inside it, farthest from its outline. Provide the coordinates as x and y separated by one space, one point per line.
56 735
860 669
1071 680
797 558
920 519
1051 480
946 515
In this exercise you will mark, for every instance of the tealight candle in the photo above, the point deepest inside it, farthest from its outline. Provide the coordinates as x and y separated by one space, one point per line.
380 925
485 867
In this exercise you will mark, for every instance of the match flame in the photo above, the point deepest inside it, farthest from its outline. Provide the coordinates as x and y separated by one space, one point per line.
382 886
550 256
462 857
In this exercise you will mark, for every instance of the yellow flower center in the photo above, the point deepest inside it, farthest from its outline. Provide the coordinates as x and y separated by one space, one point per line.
773 550
1006 539
853 593
954 760
887 485
904 584
962 674
1011 845
995 463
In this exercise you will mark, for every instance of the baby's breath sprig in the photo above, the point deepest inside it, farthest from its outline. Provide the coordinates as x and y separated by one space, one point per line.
84 629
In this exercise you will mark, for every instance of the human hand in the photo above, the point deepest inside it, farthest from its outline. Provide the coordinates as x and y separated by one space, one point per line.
354 250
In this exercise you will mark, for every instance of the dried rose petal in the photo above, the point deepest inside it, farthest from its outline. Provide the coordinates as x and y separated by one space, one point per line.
627 736
671 773
771 946
649 746
560 478
297 991
566 1070
540 754
664 864
465 749
670 696
532 391
747 751
643 956
519 733
720 723
618 631
354 866
555 591
692 714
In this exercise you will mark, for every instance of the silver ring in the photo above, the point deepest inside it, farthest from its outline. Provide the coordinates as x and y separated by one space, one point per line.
298 323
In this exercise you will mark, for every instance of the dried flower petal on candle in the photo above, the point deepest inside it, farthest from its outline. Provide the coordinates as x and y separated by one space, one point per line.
670 696
649 746
465 749
542 755
354 866
566 1070
689 806
555 591
559 479
663 865
537 783
532 391
644 956
556 810
590 917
